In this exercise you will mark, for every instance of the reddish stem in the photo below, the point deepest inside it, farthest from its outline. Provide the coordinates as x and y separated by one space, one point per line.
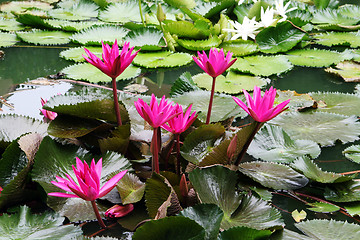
168 155
155 149
98 217
116 102
211 101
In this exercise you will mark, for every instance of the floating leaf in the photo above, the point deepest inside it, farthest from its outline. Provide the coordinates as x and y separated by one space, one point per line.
70 26
223 107
343 192
130 188
162 59
298 216
273 175
75 54
241 233
198 45
45 37
315 57
352 153
7 39
217 185
94 35
307 167
353 209
148 39
185 29
335 102
10 25
181 3
332 16
321 127
122 12
208 216
232 83
263 65
88 72
349 71
281 38
239 47
175 228
25 225
273 144
80 10
323 207
183 84
20 6
338 38
298 101
349 10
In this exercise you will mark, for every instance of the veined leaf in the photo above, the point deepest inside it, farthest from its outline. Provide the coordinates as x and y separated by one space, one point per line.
162 59
348 70
198 45
45 37
94 35
338 38
122 12
240 47
352 153
7 39
332 16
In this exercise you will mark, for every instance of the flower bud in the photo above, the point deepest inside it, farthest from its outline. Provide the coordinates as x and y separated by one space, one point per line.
232 148
161 16
118 211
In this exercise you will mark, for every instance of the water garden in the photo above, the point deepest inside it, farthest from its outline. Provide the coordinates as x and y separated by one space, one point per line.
193 119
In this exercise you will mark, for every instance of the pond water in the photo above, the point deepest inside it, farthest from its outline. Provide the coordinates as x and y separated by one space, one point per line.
23 63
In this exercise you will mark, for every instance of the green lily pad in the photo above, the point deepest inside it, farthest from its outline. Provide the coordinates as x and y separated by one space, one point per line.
298 101
263 65
162 59
94 35
343 192
329 229
338 38
209 9
33 20
13 126
54 159
321 127
332 16
352 153
75 54
185 29
198 45
353 208
315 57
233 83
175 228
148 39
335 102
122 12
7 39
130 188
70 26
349 10
240 47
349 71
88 72
38 37
183 84
80 10
281 38
208 216
273 144
20 6
307 167
323 207
273 175
216 185
240 233
223 107
25 225
181 3
10 25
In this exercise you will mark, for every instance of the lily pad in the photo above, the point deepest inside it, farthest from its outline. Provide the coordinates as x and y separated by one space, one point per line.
338 38
25 225
162 59
349 71
75 54
349 10
323 207
19 6
217 185
45 37
332 16
298 101
321 127
130 188
313 172
94 35
7 39
281 38
181 3
273 175
148 39
352 153
71 26
223 107
263 65
335 102
240 233
183 84
80 10
315 57
122 12
233 83
343 192
198 45
88 72
240 47
185 29
273 144
10 25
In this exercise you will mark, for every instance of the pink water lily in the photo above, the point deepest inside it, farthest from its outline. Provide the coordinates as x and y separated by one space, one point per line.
261 109
181 122
47 114
216 63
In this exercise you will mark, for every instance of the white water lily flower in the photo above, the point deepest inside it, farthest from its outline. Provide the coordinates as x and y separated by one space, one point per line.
246 29
282 10
267 17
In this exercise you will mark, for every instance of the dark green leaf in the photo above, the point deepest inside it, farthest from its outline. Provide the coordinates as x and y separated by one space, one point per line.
244 233
183 84
343 192
130 188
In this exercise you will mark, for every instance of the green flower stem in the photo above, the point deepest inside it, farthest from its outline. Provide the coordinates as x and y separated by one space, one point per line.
155 149
98 217
177 137
116 102
247 144
141 14
211 101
